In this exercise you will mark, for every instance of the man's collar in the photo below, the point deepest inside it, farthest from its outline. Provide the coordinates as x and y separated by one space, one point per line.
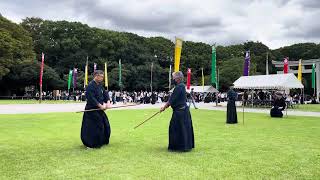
97 83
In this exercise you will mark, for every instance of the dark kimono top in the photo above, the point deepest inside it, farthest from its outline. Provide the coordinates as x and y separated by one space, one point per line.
280 103
232 95
95 94
178 98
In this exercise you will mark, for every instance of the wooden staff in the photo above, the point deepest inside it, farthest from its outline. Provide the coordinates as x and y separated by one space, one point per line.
147 119
243 111
109 108
243 101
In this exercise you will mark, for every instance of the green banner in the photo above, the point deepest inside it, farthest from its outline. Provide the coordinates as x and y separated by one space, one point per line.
120 83
313 76
213 68
69 79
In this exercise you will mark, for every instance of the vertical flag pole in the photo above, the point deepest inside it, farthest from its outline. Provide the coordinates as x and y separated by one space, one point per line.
41 74
120 83
106 83
243 107
202 79
267 64
86 74
170 70
313 79
217 86
151 76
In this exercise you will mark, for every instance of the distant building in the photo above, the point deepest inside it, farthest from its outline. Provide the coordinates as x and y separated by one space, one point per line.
306 68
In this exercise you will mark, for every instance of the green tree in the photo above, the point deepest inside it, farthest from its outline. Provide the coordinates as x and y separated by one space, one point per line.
15 46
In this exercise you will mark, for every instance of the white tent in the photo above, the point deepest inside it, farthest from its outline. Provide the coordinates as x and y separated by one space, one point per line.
206 89
273 81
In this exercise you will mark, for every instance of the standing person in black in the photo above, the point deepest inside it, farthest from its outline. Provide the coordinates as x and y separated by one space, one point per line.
181 137
279 105
113 97
153 98
95 129
191 99
245 97
231 107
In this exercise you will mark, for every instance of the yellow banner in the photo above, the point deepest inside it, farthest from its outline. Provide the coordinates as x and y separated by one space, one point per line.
177 54
86 75
106 83
300 71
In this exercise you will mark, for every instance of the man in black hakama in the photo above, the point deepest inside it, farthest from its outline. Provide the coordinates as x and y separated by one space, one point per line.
181 137
191 99
231 107
279 105
153 98
95 129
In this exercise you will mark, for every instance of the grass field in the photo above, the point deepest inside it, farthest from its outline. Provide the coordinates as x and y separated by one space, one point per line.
300 107
309 107
48 146
36 102
304 107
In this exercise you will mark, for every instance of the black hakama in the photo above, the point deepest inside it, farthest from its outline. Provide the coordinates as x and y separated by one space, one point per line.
95 129
276 112
231 108
278 106
181 136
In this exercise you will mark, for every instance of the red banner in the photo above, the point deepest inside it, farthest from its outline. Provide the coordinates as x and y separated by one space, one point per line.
41 71
188 78
285 65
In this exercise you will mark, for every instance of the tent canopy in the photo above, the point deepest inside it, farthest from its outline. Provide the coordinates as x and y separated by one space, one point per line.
273 81
207 89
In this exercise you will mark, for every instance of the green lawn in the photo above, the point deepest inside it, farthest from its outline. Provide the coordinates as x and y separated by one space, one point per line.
36 101
309 107
48 146
300 107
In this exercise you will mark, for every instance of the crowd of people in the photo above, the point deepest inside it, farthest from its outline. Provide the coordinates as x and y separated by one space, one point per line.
254 98
143 97
266 98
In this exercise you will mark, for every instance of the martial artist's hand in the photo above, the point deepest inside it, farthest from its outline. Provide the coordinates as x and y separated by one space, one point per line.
162 108
108 105
103 107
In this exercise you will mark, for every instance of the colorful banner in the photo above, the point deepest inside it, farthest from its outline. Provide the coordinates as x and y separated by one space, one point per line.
188 78
69 79
41 69
285 65
300 71
177 54
246 66
120 80
313 77
213 67
86 74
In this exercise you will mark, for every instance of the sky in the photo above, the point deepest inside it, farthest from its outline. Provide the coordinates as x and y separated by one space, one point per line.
276 23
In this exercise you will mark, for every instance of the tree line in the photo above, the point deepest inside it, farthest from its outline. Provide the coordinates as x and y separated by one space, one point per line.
68 45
